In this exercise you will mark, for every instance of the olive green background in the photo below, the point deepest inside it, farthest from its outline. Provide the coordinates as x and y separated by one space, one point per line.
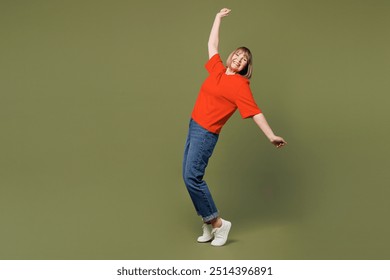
95 99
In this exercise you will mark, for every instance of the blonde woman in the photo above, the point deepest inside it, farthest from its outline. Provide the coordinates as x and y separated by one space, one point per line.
225 90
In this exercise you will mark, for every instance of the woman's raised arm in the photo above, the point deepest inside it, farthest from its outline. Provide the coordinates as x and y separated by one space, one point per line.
214 34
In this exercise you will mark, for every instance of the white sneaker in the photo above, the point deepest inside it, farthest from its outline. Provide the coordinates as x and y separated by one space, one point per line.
221 233
207 235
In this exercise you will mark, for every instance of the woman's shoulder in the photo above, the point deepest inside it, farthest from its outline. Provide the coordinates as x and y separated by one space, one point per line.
215 64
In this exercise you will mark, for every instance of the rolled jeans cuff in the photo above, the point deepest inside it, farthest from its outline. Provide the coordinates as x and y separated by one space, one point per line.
211 217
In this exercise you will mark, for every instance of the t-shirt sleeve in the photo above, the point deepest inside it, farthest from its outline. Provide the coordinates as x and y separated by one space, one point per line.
246 103
214 64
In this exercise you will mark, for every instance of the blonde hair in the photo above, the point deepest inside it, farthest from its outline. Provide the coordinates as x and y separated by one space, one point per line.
247 71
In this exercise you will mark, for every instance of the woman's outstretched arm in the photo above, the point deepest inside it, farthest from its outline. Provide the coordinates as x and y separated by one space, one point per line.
214 34
262 123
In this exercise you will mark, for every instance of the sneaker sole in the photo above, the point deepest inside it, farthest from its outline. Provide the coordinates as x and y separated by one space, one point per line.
205 241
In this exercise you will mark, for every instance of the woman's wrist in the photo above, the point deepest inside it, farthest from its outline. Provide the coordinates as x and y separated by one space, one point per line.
271 137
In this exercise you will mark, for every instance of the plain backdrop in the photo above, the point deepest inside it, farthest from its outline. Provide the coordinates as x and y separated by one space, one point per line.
95 100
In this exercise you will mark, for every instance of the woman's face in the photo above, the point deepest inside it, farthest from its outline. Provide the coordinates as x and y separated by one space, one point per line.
239 61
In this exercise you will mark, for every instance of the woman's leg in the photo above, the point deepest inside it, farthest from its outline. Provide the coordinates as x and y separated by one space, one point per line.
198 150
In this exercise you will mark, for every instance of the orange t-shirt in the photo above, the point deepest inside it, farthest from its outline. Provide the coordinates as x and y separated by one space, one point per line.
221 95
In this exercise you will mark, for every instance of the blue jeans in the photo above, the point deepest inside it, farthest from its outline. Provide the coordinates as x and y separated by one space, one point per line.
198 149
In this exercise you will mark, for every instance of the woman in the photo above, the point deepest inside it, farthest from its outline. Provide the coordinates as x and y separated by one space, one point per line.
225 90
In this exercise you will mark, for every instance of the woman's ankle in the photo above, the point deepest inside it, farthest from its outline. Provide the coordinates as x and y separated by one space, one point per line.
216 223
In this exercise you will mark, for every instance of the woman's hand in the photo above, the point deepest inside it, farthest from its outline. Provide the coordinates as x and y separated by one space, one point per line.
223 13
262 123
278 142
